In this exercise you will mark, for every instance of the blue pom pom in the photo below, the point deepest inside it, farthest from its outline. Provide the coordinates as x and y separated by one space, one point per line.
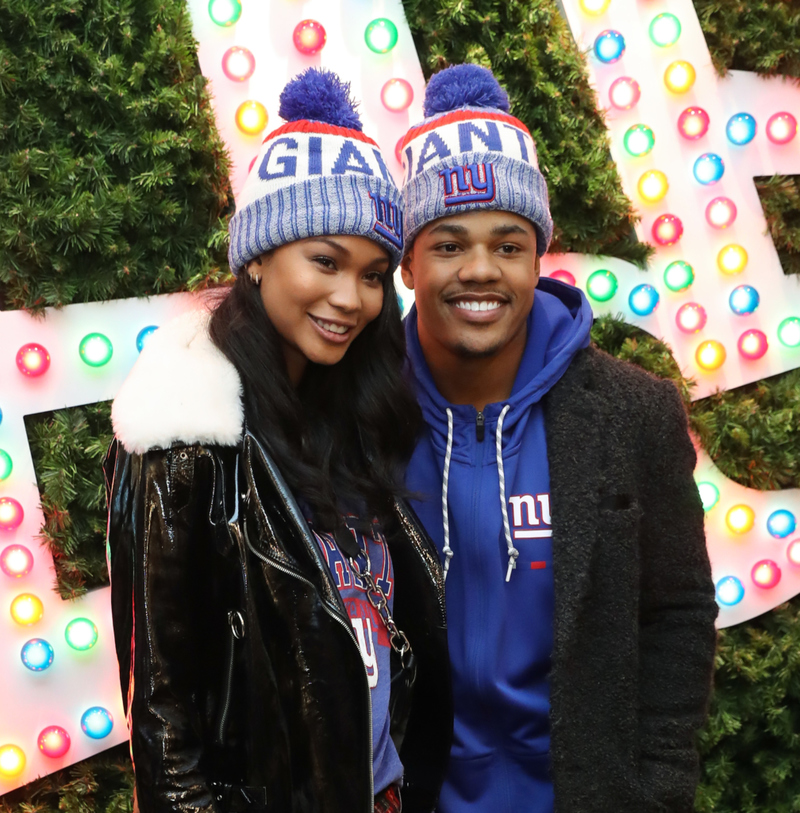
463 86
319 95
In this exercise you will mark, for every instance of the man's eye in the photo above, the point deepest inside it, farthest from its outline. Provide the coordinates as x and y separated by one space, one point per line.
508 248
448 248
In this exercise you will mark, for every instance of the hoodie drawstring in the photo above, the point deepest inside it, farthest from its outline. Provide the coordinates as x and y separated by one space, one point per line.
513 553
447 550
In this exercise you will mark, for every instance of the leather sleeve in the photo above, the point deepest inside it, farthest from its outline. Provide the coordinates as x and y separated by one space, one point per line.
157 558
677 612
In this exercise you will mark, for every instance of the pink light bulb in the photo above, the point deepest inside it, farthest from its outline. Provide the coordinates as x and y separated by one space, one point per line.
766 574
691 317
238 64
33 360
54 741
11 514
667 230
693 123
624 93
752 344
397 95
781 128
563 275
16 561
309 37
721 213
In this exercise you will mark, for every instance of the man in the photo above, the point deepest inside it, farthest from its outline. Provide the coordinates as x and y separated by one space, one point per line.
557 483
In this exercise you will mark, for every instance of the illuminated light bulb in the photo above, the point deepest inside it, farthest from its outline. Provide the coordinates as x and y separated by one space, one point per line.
781 128
11 514
81 634
766 574
638 140
643 300
27 609
740 519
12 760
53 741
95 349
710 355
667 230
624 93
251 117
381 35
730 591
609 46
793 552
33 360
595 7
709 495
16 561
601 285
143 336
752 344
563 276
691 317
789 332
238 64
309 37
653 185
97 722
679 76
678 275
708 168
732 259
224 12
397 95
693 123
741 129
37 655
721 213
6 464
744 300
665 30
781 523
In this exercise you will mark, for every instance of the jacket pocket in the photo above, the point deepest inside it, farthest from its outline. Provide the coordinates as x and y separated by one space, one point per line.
235 632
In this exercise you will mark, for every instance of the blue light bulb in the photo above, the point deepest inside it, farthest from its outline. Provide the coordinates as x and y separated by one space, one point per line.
143 335
708 168
741 129
781 523
609 46
97 722
37 655
744 300
643 300
730 591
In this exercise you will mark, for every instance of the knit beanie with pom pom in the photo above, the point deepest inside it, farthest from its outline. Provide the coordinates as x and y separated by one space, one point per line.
316 175
470 154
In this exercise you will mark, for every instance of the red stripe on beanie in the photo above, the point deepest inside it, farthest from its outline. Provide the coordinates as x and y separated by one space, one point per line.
462 115
319 128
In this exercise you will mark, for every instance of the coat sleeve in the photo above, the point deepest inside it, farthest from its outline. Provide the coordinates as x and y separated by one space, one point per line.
677 612
156 593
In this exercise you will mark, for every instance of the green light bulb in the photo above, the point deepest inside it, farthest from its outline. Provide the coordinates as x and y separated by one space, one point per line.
678 276
709 495
81 634
224 12
95 349
5 464
665 30
638 140
789 332
601 286
381 35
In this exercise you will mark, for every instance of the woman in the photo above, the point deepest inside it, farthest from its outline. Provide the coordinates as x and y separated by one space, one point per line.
255 519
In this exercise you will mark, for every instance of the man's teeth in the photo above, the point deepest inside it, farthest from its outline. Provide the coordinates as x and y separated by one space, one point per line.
478 306
341 329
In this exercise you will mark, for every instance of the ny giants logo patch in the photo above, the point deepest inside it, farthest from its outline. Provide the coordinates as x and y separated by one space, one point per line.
473 183
388 219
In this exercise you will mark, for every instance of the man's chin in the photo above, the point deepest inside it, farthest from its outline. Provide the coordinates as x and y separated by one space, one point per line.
472 350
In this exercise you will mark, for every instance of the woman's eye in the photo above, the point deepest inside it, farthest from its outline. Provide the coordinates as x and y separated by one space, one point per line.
374 276
325 262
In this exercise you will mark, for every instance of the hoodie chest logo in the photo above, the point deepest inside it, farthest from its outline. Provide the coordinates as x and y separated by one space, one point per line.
473 183
530 516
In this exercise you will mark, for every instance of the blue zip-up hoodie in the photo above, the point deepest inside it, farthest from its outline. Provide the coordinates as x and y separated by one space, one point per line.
500 631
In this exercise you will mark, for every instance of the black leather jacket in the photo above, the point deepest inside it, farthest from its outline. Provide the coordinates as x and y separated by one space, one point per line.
244 684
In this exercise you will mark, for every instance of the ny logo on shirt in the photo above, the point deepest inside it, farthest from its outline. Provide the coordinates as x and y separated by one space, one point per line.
536 521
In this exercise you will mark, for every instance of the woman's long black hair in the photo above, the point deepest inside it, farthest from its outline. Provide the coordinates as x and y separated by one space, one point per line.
343 437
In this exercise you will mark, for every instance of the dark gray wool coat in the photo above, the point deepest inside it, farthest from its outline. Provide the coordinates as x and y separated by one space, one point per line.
634 602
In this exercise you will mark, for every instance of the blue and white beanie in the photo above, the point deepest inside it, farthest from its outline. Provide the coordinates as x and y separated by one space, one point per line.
469 153
318 174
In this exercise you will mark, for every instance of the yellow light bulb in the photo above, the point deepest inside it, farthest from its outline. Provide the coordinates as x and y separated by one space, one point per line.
251 117
653 185
740 519
732 259
679 76
710 355
595 7
27 609
12 760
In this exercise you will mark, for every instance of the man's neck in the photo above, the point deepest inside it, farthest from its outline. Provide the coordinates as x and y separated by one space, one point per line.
474 380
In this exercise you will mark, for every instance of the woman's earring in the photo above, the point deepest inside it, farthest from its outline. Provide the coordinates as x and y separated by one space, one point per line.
256 278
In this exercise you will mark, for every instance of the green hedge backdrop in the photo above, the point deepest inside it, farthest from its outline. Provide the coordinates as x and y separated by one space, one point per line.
113 183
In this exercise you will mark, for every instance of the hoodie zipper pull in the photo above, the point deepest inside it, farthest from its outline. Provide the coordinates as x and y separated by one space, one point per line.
480 427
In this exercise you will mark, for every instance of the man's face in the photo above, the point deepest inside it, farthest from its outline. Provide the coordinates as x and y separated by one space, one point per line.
474 277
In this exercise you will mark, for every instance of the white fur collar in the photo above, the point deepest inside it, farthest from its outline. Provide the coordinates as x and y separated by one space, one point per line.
181 389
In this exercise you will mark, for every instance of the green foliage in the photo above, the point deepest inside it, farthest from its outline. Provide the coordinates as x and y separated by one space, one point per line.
113 179
103 784
757 35
529 47
780 199
67 448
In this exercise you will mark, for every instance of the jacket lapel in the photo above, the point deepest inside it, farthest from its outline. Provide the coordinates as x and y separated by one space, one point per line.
573 426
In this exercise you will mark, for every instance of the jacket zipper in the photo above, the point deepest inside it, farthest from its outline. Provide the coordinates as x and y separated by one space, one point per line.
480 427
233 617
349 627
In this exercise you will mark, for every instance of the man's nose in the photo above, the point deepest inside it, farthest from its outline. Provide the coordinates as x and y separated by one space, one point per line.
479 266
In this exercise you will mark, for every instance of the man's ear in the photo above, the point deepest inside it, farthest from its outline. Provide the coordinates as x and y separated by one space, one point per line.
405 270
537 268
